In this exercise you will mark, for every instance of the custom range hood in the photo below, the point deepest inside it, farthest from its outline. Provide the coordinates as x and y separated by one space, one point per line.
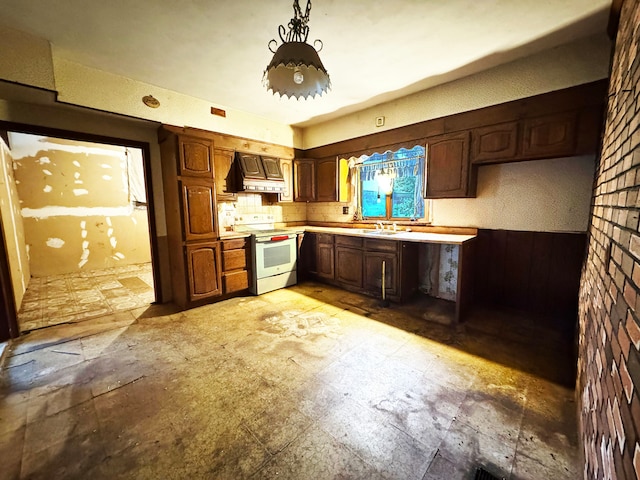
256 173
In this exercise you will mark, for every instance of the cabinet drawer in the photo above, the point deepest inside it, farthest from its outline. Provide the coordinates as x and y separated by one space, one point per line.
325 238
349 241
236 281
234 259
234 244
381 245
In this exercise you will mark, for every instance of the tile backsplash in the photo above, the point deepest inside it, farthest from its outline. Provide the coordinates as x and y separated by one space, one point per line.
329 212
249 203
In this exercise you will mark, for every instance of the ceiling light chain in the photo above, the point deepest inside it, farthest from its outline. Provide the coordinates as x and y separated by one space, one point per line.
296 69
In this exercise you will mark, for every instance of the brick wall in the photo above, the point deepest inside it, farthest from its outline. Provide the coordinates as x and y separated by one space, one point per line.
608 383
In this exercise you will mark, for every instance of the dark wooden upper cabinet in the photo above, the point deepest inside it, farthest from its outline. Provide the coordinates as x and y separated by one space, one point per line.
549 136
224 175
494 142
327 180
447 171
251 166
204 270
304 185
198 203
272 168
196 157
286 166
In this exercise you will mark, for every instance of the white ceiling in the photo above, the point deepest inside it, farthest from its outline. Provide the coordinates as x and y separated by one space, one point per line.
374 51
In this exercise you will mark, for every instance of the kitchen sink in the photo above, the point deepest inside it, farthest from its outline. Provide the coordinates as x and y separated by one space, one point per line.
368 231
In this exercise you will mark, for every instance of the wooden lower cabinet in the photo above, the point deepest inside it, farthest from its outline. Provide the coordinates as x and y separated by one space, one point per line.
373 262
355 264
325 257
204 271
349 266
235 276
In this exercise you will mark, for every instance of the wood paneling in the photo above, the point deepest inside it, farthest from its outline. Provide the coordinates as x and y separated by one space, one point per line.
532 271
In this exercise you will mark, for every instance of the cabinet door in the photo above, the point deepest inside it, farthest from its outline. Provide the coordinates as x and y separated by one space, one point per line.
286 166
224 175
196 157
325 260
198 209
349 266
304 185
327 180
495 142
373 273
272 168
251 166
549 136
203 265
447 172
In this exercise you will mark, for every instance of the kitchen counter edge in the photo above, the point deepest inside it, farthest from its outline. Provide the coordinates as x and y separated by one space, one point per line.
400 236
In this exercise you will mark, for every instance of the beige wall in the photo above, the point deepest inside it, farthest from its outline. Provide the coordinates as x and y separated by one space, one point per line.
77 201
13 227
25 59
582 61
542 195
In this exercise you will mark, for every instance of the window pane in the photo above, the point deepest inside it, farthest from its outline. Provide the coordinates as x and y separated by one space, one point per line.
406 166
372 206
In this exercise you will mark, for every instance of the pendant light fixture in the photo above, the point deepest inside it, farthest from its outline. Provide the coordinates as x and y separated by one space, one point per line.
296 69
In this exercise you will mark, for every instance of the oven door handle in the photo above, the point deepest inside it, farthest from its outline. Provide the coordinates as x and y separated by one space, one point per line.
279 238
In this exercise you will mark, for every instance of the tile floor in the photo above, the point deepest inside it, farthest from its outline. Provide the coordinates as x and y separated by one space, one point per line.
75 297
310 382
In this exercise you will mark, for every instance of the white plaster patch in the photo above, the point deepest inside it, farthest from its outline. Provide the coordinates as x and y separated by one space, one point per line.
83 234
133 219
47 188
17 182
108 221
84 258
106 177
55 211
55 242
78 182
106 165
76 175
113 242
109 232
119 255
76 163
83 224
46 172
80 191
44 160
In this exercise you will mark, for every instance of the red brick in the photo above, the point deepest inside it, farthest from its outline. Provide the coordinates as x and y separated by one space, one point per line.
625 378
624 341
633 330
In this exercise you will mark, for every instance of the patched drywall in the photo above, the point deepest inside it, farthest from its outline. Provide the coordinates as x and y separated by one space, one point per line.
13 228
83 204
543 196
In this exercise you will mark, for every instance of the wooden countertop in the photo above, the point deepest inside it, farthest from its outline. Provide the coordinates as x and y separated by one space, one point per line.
400 235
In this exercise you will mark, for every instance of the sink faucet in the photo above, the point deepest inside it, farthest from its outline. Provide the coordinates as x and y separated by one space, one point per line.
379 225
395 227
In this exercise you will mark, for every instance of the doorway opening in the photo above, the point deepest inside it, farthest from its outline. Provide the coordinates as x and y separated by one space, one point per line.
82 223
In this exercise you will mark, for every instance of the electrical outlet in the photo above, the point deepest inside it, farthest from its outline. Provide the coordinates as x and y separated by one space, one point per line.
345 210
379 121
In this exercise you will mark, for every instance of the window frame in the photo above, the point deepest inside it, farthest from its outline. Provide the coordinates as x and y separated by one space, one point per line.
388 199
